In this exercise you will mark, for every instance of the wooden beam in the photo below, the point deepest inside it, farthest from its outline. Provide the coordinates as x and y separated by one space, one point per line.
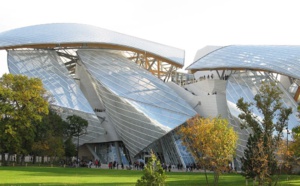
158 68
296 96
90 46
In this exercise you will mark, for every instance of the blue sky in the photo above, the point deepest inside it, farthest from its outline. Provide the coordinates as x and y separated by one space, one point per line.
185 24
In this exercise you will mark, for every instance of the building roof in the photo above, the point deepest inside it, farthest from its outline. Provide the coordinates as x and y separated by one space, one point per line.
275 58
85 36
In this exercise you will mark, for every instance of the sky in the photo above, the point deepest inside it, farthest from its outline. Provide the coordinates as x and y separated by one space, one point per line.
186 24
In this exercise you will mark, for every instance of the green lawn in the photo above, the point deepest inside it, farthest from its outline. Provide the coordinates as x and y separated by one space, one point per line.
84 176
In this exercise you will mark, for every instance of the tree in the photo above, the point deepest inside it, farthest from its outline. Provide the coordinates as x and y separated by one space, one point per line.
292 149
70 148
49 136
77 127
285 155
154 175
265 132
295 145
21 104
211 142
255 160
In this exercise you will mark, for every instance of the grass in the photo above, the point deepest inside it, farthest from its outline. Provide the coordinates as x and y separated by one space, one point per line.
83 176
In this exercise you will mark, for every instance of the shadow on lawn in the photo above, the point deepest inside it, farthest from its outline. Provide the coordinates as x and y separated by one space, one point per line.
64 184
84 172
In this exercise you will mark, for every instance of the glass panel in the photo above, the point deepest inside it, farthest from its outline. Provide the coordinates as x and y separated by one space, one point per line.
68 98
141 107
280 59
47 66
59 33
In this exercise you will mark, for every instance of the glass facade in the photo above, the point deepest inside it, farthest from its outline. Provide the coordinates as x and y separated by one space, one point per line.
67 96
170 150
281 59
141 107
72 33
110 151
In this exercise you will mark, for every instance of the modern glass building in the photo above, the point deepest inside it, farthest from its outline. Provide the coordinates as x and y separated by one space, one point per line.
131 93
239 71
115 81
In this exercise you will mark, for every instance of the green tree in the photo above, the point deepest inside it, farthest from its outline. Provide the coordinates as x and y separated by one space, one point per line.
154 175
76 128
21 104
70 148
49 136
211 141
266 133
295 144
254 162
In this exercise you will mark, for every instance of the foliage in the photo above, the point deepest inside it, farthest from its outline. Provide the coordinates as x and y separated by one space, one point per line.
154 175
295 145
211 141
49 135
255 159
285 156
70 148
21 104
76 126
266 136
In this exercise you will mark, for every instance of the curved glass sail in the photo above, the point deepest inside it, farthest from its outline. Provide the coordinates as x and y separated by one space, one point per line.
141 106
139 87
68 98
68 33
281 59
47 66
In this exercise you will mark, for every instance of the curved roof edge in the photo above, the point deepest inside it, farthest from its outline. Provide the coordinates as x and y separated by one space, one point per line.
205 51
84 36
282 59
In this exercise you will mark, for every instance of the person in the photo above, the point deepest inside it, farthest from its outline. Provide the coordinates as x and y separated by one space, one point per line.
114 164
96 163
90 164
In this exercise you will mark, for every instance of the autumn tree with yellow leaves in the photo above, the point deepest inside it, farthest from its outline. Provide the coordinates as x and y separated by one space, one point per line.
211 141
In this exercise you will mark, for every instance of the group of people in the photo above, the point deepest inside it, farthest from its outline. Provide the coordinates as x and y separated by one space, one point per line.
115 165
213 93
138 165
97 163
208 76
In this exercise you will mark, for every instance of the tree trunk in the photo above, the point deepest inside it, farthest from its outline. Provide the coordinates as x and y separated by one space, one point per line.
8 159
22 159
18 159
34 159
216 178
205 173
